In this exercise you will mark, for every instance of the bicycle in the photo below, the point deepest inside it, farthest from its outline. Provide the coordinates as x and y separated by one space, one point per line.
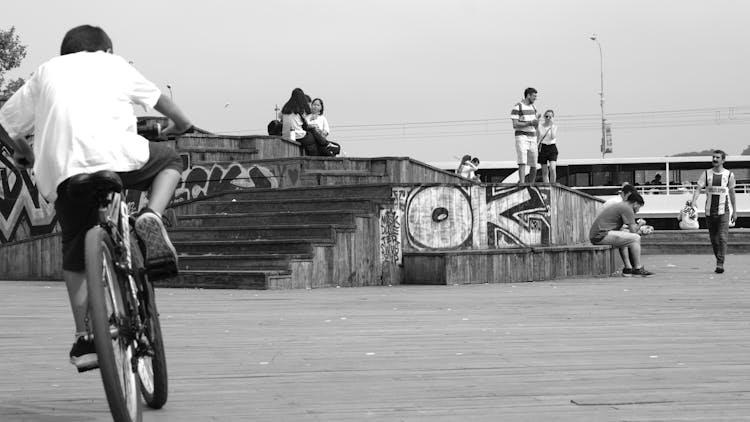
123 317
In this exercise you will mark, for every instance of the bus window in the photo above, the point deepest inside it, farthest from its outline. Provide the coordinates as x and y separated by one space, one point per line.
624 176
688 176
741 174
640 177
602 178
580 179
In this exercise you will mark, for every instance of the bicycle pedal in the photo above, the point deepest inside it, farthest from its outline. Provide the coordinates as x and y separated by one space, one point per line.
90 367
161 269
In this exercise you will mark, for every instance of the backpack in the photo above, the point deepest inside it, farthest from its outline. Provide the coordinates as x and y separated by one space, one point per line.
332 149
274 127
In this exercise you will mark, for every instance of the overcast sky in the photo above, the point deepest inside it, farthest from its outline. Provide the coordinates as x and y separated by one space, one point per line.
675 72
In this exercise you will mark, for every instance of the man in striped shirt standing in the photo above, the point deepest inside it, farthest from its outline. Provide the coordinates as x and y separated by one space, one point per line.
719 184
525 122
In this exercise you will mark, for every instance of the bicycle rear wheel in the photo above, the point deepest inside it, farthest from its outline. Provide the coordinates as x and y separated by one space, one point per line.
110 320
152 369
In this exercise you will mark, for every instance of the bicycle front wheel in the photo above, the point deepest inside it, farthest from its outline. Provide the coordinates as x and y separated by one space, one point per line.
110 319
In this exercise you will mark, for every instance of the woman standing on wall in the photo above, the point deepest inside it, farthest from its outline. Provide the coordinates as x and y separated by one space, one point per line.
547 139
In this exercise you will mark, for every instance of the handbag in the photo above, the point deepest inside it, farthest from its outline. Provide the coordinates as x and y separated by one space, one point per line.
304 122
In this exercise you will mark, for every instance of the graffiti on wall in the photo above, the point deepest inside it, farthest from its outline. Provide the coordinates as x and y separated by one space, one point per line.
390 222
25 213
390 237
474 217
23 210
517 216
200 181
439 217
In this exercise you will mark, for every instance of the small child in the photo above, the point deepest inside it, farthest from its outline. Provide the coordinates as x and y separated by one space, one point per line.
80 107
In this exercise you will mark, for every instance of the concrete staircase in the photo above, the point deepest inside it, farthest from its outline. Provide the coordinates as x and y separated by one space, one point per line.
692 242
280 238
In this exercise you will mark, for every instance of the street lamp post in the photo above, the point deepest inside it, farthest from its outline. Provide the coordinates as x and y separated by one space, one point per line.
601 93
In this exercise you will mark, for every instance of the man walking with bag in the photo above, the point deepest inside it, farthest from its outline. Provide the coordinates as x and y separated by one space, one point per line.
719 184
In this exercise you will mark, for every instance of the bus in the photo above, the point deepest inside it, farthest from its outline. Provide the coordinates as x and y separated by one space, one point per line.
666 183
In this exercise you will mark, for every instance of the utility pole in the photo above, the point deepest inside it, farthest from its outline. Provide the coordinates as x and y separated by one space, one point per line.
604 147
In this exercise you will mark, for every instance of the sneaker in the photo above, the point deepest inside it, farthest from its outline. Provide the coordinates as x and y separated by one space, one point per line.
627 272
641 272
83 354
719 268
160 253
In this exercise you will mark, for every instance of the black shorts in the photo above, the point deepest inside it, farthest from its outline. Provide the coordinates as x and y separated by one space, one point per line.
77 217
547 153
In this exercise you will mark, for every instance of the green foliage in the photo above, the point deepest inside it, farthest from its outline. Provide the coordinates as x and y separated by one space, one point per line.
12 52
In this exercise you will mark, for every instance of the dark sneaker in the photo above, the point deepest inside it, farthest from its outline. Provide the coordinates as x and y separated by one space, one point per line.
719 269
161 256
641 272
627 272
83 354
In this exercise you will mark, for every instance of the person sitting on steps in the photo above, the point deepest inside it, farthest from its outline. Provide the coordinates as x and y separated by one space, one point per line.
606 230
295 125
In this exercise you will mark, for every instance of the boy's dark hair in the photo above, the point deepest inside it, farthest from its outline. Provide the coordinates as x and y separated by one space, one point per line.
297 103
475 160
322 107
636 198
85 38
723 154
528 91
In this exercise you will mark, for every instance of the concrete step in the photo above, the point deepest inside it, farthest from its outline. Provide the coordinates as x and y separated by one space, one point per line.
507 265
222 279
213 143
261 247
271 218
690 247
375 192
220 154
336 178
265 205
240 261
738 235
257 232
339 163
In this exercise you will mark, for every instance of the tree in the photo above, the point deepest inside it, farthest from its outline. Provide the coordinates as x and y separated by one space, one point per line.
12 52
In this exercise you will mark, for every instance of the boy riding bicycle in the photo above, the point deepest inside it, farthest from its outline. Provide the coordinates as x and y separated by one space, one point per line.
80 108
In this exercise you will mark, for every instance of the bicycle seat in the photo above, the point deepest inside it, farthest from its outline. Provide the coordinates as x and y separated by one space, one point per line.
100 183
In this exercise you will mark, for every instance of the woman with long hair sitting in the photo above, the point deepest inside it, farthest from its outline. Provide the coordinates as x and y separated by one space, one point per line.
294 124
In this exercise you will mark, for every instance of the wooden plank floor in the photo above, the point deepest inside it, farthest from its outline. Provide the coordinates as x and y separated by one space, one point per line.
674 347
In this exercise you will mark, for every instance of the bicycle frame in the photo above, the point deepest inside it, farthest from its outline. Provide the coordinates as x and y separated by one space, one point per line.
115 220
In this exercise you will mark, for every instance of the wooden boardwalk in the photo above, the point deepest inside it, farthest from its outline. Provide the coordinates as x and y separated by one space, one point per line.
674 347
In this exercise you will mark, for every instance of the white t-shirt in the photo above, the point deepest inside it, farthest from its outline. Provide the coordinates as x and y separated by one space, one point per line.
467 170
79 107
548 134
321 122
292 123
